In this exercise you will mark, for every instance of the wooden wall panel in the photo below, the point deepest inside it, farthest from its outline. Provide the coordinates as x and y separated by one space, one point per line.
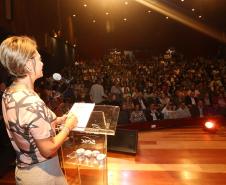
35 18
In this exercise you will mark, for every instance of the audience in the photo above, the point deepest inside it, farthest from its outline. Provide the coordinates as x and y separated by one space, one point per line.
152 89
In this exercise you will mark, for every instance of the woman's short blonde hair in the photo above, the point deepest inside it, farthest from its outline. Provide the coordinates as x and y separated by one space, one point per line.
15 51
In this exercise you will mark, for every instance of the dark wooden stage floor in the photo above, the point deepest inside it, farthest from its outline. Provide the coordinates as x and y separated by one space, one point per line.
187 156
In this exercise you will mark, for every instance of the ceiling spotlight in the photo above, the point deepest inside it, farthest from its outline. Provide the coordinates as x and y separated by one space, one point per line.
85 5
125 19
126 3
74 15
182 0
200 16
149 11
167 17
94 21
107 13
193 9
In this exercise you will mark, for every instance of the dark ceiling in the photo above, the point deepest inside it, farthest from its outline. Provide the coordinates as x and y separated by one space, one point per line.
212 11
99 25
128 24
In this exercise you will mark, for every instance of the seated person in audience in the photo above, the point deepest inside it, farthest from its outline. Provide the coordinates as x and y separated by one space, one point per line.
140 100
194 88
114 101
116 90
137 115
128 104
164 99
153 113
178 96
126 93
183 111
169 111
198 110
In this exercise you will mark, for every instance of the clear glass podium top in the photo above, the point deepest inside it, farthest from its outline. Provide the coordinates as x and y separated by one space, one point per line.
103 120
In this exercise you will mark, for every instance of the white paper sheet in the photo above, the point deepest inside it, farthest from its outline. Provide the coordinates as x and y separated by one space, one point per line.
82 112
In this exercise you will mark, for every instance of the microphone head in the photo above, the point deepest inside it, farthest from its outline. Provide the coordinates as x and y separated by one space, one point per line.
57 76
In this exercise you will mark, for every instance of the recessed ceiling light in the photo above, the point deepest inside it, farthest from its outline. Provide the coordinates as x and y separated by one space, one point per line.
85 5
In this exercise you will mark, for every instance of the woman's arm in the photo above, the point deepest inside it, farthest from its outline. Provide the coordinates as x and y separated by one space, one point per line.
49 146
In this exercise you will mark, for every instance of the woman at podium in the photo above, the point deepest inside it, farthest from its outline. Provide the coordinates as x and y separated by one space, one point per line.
29 122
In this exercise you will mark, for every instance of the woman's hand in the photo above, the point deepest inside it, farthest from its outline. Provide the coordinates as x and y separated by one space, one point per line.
61 120
71 121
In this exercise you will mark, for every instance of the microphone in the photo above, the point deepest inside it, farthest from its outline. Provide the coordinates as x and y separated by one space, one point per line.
57 76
